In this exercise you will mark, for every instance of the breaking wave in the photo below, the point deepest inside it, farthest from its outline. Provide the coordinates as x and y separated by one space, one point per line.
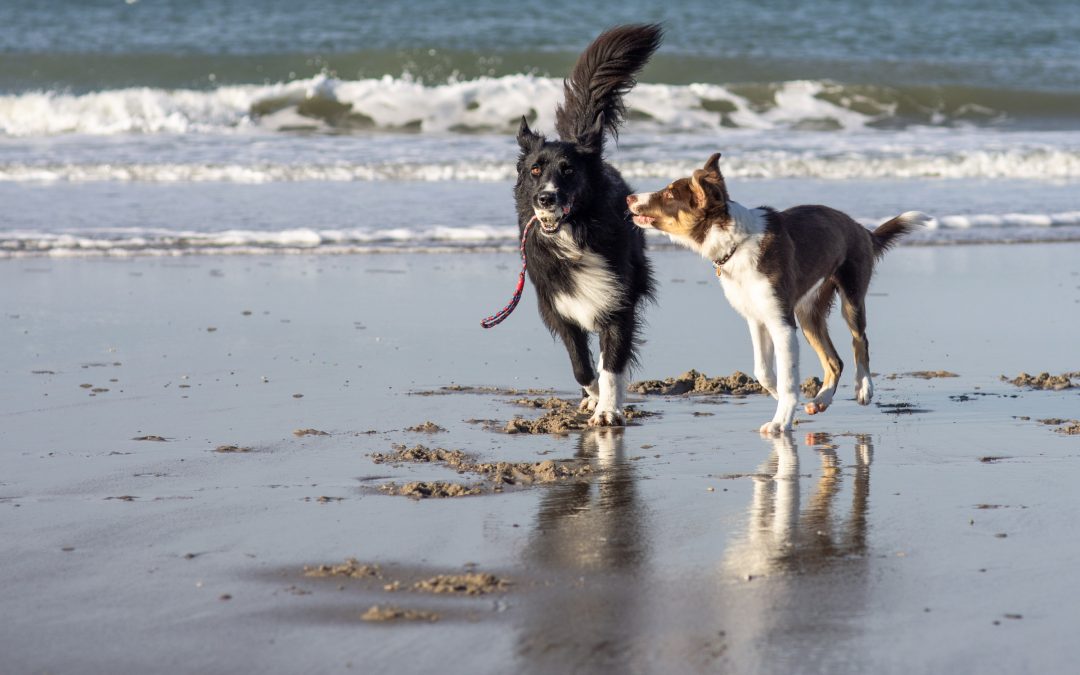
495 104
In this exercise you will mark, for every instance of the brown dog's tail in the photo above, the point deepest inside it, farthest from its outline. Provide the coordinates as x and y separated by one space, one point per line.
888 232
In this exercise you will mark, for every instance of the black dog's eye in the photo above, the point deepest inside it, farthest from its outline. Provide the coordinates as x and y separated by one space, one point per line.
567 170
535 170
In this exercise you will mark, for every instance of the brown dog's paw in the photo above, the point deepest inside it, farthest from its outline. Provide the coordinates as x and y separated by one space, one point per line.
815 407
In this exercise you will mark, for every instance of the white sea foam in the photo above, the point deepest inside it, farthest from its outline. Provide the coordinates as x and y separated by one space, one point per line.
480 237
490 103
1007 220
1013 163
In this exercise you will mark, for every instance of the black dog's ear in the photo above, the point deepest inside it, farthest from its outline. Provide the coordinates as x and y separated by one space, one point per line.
592 141
525 137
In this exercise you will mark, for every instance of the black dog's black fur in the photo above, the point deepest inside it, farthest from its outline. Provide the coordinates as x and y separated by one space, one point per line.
592 196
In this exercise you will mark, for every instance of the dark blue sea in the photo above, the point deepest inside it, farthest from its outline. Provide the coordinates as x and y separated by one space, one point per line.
168 127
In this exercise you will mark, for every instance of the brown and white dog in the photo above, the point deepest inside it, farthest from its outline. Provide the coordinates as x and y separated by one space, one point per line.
775 266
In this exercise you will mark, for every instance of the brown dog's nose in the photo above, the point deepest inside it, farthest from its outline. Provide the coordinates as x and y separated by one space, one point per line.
631 200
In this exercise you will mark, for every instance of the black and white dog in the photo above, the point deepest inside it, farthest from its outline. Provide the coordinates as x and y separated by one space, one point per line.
587 259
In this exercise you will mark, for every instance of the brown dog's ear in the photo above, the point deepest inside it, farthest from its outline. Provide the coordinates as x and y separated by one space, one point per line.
708 188
712 165
698 190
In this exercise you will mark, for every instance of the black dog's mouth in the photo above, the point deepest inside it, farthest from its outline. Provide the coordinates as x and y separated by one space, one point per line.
551 221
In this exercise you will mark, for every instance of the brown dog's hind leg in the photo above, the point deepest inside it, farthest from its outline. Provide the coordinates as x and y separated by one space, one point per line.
812 319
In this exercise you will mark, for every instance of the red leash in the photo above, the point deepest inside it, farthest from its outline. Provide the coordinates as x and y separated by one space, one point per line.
500 316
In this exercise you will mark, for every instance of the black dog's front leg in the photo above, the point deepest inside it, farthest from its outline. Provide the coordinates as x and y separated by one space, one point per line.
577 346
616 354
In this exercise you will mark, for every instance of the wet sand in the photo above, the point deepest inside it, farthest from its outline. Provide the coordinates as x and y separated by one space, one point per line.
934 532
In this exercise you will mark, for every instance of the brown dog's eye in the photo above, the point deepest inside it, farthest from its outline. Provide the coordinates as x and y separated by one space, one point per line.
669 195
535 170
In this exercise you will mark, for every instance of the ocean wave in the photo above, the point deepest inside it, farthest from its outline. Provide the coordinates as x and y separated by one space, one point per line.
1034 163
123 242
486 104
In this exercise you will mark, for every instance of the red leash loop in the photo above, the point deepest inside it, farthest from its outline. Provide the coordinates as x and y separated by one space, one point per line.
500 316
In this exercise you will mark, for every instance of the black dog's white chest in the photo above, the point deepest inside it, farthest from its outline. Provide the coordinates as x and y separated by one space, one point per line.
592 294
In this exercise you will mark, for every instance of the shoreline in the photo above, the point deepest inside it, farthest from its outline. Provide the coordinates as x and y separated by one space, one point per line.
655 244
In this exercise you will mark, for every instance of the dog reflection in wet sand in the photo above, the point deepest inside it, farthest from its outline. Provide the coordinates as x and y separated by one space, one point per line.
593 537
782 536
593 525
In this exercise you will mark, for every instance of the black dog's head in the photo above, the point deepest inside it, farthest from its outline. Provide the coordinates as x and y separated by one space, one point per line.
553 177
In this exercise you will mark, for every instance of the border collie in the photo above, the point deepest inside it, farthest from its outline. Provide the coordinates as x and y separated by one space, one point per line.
586 259
776 266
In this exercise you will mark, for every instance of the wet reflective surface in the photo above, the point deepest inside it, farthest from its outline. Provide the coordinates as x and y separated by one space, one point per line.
617 602
941 538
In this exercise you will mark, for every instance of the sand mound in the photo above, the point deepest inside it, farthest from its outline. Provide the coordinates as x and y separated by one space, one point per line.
391 613
562 417
430 489
498 473
1043 381
694 382
474 583
426 428
351 568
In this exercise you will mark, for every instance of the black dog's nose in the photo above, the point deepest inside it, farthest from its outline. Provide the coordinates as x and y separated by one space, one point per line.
546 199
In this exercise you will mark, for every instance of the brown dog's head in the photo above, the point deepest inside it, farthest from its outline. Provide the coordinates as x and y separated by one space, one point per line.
687 208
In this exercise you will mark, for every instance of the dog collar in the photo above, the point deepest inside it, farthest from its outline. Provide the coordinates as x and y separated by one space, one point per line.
719 262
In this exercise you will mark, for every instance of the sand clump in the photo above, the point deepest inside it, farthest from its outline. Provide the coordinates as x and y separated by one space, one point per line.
527 473
558 421
231 449
472 583
309 432
422 454
810 387
351 568
549 403
380 613
426 428
436 489
1044 381
499 474
469 582
1064 426
562 417
694 382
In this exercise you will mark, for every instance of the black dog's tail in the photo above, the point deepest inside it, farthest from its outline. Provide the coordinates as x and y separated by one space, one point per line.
603 74
888 232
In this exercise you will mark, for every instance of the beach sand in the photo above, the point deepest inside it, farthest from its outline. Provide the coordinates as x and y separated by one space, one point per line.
935 532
